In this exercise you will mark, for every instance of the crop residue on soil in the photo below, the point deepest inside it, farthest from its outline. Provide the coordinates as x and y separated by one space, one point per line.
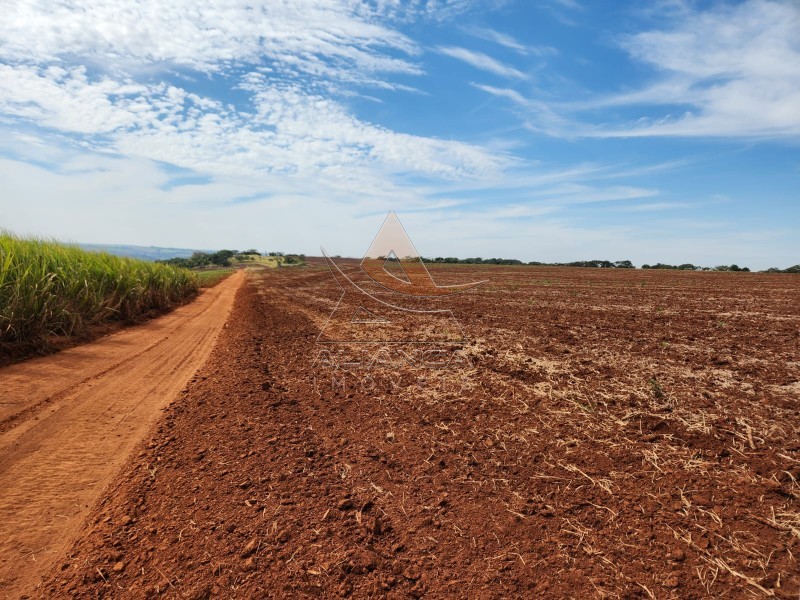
617 434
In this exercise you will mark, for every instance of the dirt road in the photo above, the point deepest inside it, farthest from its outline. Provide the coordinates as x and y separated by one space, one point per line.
69 421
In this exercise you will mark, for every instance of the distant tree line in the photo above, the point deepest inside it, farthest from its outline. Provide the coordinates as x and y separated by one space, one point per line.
602 264
731 268
596 264
794 269
451 260
219 258
683 267
691 267
224 258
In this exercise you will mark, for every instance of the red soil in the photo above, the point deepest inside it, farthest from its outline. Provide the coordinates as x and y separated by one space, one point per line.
69 421
617 434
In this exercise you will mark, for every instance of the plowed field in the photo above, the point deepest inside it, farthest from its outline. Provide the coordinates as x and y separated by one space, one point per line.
603 433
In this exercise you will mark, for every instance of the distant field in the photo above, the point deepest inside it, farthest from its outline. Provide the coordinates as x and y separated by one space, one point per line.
47 288
211 277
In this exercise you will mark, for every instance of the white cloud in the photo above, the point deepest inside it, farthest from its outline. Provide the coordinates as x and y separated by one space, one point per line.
297 134
89 197
65 99
575 193
481 61
447 9
657 206
99 91
570 4
507 41
101 73
507 93
730 71
551 200
204 35
539 116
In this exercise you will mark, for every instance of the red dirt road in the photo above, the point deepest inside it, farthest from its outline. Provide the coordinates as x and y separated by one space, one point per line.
617 434
68 422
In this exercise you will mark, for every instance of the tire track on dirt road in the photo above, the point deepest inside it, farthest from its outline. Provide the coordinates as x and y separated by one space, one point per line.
69 421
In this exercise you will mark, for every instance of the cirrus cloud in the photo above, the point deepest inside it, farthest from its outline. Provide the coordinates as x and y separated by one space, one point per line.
481 61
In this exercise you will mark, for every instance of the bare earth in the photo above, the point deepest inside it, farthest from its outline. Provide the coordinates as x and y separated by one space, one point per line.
69 421
607 434
616 434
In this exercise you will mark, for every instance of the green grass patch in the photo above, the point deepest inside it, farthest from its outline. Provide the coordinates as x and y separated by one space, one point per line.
48 288
211 277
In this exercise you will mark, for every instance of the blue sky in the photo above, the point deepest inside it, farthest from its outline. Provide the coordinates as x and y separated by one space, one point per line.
546 130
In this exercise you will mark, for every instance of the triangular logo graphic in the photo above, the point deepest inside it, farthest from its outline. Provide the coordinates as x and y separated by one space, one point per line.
394 267
392 281
391 253
364 315
392 239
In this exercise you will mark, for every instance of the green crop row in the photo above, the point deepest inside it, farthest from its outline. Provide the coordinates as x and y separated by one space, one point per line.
211 277
48 288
